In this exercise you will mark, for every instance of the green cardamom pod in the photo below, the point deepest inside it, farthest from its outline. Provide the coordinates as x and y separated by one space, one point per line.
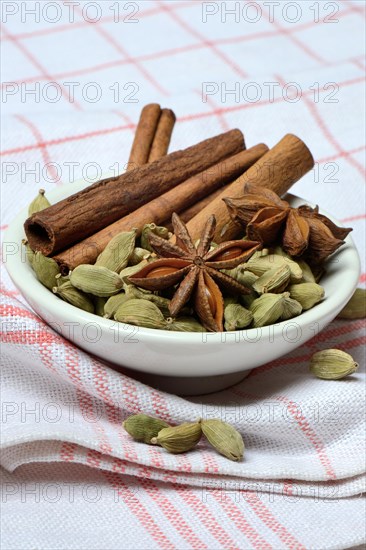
61 279
141 313
246 300
259 253
160 301
39 203
116 254
143 428
139 254
246 278
267 309
131 270
113 303
274 280
242 275
291 308
99 304
96 280
149 228
179 439
228 300
237 317
184 324
224 438
332 364
46 270
28 252
307 294
73 296
262 264
356 307
307 274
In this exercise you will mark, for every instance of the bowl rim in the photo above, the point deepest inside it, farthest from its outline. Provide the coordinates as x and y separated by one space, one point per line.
22 275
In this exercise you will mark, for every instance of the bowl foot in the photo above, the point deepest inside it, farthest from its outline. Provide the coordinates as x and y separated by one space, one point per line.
181 385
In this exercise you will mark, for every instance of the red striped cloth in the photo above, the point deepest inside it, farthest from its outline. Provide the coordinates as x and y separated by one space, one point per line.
74 81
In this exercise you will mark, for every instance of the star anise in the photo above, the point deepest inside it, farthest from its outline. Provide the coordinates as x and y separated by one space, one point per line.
301 231
197 269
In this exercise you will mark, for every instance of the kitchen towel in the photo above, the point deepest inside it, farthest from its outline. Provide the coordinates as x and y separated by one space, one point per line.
72 93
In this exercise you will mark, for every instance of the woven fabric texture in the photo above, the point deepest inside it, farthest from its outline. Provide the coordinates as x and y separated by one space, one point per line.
74 81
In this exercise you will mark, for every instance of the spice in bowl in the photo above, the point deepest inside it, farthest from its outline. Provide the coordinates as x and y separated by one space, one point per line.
246 259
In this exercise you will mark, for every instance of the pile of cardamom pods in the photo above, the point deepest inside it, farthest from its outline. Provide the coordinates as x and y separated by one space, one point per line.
180 439
281 288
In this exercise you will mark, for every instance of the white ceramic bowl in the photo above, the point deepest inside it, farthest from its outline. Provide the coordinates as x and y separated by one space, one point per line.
171 360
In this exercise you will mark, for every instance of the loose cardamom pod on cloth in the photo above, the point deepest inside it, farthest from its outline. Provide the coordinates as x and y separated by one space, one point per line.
179 439
356 307
224 438
332 364
143 427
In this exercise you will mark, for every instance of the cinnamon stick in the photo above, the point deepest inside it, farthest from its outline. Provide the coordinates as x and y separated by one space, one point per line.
144 136
278 170
163 133
161 208
190 212
90 210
